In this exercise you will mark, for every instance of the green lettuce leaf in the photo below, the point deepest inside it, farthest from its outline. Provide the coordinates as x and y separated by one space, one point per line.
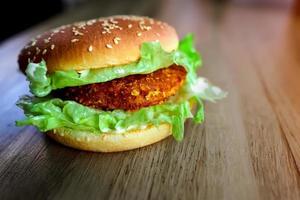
39 82
204 90
47 114
153 57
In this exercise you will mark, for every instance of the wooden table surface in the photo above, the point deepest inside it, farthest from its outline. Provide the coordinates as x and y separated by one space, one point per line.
248 147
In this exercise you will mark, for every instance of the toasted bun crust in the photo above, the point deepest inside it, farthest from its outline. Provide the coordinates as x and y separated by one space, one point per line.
97 43
112 142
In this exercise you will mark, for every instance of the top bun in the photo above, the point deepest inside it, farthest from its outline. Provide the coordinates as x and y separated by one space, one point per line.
97 43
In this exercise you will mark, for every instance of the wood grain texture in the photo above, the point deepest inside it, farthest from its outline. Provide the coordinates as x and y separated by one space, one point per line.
248 147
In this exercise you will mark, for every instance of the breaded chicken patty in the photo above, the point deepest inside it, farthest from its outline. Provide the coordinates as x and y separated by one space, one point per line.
128 93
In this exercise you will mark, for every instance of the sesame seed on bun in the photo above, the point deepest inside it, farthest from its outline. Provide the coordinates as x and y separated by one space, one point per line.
97 43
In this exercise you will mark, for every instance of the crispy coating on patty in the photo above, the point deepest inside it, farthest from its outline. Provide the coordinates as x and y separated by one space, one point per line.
128 93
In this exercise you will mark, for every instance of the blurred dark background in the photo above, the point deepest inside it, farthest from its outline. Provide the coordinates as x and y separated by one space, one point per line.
27 13
31 12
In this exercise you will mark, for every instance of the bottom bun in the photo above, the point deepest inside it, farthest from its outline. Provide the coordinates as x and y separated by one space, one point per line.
112 142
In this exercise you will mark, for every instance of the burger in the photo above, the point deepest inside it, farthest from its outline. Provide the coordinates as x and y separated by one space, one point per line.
113 84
